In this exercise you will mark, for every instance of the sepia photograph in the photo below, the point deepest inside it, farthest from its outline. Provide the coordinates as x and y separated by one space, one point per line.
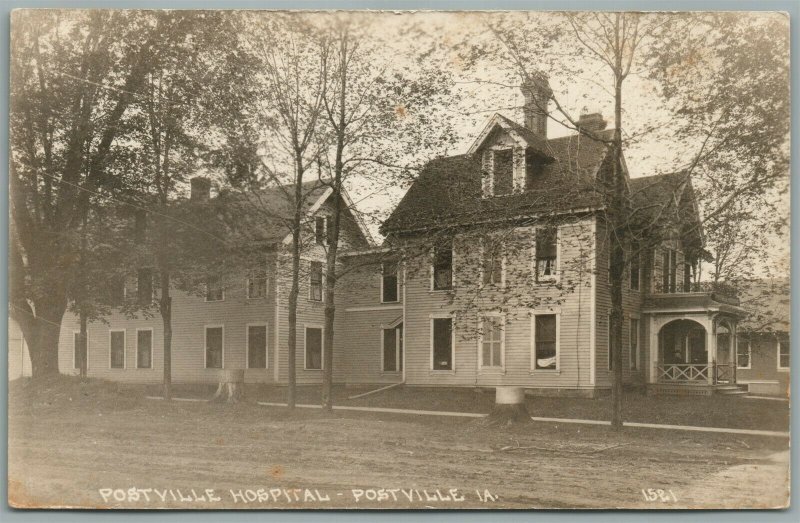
517 260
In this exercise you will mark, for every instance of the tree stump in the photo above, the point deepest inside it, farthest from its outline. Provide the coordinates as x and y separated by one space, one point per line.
231 386
509 408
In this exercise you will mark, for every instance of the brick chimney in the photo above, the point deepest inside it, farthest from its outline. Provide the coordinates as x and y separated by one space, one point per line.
537 93
201 189
592 122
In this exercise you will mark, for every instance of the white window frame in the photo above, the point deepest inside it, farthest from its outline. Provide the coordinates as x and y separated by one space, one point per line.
75 349
492 368
778 353
205 344
534 265
398 359
124 349
247 344
557 314
247 286
452 269
397 284
503 261
321 328
136 362
749 353
223 292
452 343
631 356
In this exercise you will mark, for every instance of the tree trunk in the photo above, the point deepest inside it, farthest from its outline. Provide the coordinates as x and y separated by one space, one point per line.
327 344
291 367
618 224
84 347
166 318
42 336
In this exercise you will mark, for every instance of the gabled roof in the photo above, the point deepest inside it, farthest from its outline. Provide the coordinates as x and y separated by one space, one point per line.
667 199
270 210
448 190
523 136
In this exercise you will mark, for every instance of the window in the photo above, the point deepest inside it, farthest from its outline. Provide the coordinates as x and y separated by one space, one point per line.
669 270
546 253
443 268
256 346
492 263
214 348
389 282
442 344
313 349
634 343
144 349
783 354
503 172
117 350
687 277
491 342
743 353
144 286
257 284
315 282
545 342
214 289
319 230
636 259
393 349
76 350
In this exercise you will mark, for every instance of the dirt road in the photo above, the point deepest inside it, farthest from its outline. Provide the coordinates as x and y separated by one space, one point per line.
91 452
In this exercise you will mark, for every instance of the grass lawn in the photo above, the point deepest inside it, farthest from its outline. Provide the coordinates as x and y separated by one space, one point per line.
69 441
706 411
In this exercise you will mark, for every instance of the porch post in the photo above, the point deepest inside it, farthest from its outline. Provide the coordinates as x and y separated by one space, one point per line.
711 349
653 378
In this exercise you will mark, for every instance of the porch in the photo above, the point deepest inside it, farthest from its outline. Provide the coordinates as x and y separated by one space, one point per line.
693 342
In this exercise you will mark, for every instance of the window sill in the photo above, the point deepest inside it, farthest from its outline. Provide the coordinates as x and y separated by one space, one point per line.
491 371
256 368
433 372
395 302
256 298
391 372
748 368
545 371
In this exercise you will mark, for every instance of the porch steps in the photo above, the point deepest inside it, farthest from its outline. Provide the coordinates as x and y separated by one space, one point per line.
695 389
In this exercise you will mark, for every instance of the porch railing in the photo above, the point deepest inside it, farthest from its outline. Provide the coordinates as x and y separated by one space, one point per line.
684 372
696 372
721 292
724 373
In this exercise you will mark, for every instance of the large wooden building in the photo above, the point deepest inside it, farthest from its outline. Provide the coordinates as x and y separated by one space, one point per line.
494 271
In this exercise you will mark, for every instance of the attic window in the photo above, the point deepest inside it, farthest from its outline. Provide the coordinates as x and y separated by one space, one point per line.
503 172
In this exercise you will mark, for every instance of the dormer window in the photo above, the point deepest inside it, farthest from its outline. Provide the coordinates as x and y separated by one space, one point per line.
503 172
